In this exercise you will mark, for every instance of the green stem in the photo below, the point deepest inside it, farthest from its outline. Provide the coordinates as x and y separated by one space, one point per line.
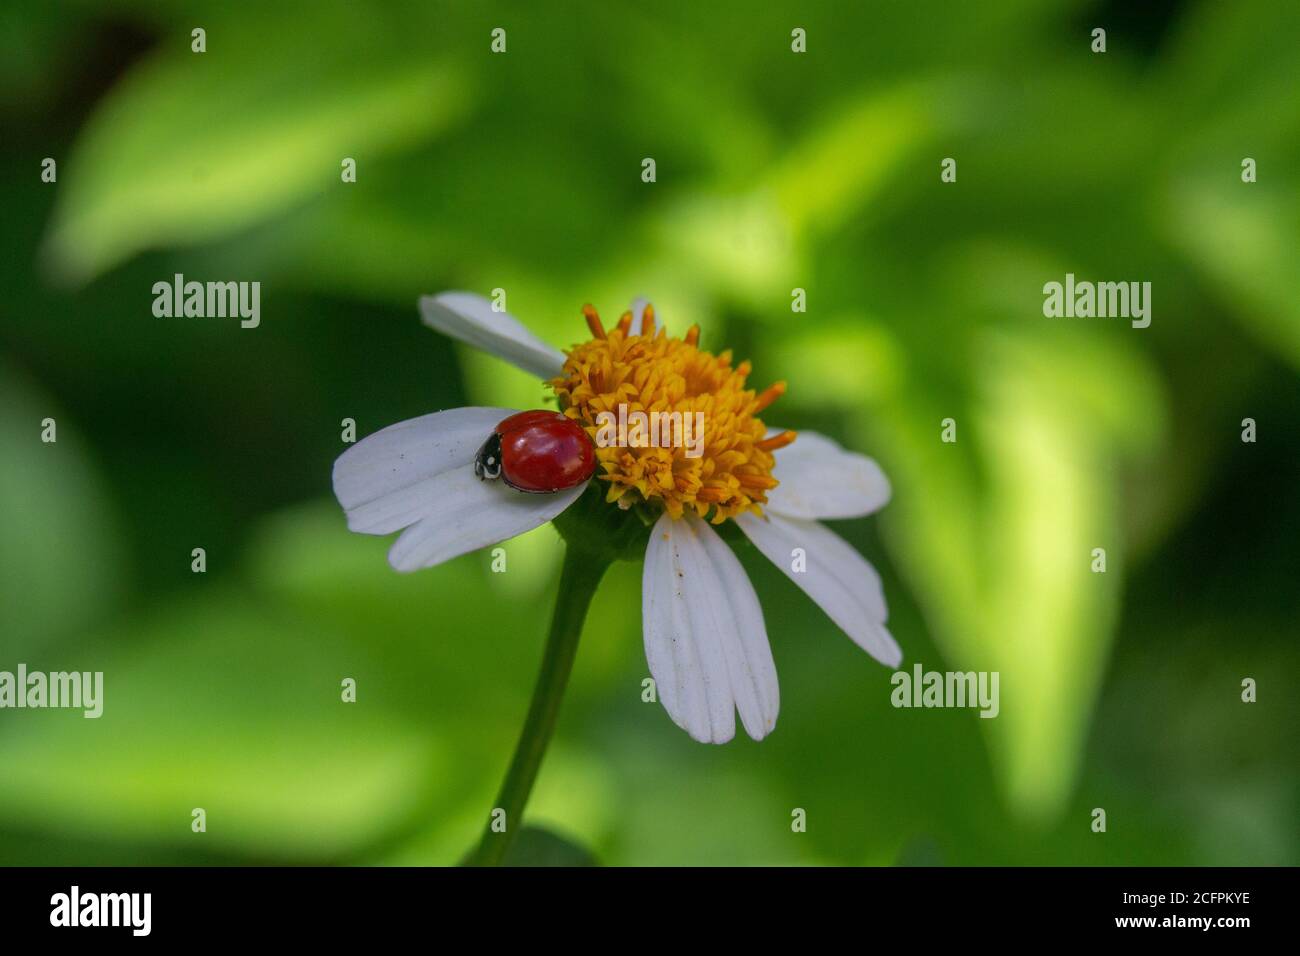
579 576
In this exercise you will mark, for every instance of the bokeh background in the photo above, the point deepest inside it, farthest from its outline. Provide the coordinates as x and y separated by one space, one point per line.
775 170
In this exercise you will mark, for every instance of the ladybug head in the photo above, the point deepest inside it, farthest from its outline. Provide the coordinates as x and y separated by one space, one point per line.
487 463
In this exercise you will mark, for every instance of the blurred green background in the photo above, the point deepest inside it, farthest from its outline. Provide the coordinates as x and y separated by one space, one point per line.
775 171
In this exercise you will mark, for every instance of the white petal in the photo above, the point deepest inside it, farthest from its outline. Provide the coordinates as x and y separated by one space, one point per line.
819 479
838 578
464 514
705 640
384 481
749 655
469 318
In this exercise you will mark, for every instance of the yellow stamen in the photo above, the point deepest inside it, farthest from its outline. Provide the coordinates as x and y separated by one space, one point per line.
719 473
769 395
779 440
593 321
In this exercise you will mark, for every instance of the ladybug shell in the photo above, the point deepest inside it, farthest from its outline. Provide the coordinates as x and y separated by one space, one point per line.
542 452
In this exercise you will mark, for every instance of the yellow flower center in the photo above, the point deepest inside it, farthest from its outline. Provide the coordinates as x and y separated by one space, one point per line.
718 474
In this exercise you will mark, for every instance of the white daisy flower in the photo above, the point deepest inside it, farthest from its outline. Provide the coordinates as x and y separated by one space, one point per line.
705 640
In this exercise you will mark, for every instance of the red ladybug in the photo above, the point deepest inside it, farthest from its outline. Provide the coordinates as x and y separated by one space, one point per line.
538 452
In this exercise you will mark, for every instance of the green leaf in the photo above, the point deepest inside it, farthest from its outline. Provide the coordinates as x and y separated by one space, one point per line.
996 533
58 557
221 705
535 846
192 147
1243 237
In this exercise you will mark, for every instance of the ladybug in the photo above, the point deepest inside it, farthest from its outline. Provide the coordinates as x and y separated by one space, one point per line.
538 452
